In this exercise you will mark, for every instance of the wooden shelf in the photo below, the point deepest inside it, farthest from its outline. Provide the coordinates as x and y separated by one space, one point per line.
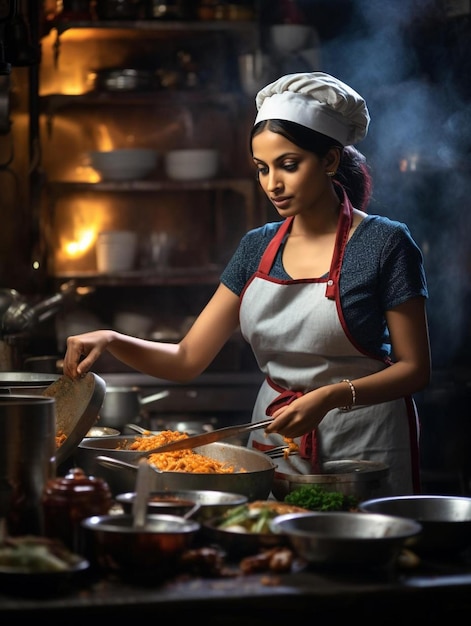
146 277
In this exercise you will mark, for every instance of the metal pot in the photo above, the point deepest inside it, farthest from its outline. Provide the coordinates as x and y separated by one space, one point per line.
26 382
255 482
27 460
124 404
357 478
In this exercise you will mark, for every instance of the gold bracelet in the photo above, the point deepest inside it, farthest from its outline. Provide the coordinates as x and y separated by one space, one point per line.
349 407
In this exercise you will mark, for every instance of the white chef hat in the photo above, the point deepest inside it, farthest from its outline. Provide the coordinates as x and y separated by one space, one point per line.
316 100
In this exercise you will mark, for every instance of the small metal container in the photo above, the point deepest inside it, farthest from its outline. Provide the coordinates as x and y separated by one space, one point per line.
147 553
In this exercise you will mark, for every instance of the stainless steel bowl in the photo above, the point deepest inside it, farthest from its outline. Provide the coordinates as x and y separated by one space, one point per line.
445 520
211 503
152 552
102 431
346 539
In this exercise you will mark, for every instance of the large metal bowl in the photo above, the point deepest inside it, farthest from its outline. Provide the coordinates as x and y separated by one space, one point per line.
211 503
344 539
445 520
357 478
253 477
152 552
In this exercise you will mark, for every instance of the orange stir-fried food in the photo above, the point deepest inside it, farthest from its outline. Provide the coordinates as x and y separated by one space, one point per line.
180 460
292 446
60 438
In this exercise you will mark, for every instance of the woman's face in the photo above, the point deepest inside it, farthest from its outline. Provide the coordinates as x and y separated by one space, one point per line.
294 180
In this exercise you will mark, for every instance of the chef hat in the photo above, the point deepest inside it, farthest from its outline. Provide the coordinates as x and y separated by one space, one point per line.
318 101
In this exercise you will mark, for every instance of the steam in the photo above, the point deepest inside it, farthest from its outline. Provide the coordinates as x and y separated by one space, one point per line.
418 146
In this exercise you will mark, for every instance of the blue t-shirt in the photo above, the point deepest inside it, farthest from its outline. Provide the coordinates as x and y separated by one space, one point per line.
382 268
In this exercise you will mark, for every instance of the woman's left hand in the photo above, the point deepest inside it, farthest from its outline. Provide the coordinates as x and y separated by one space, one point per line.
299 416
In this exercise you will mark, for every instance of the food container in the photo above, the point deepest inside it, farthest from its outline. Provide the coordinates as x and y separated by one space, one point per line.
116 251
27 459
347 539
102 431
255 481
289 38
147 553
191 164
245 530
70 499
124 163
357 478
211 503
445 520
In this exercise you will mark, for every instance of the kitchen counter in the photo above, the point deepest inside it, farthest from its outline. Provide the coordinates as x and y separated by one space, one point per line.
435 589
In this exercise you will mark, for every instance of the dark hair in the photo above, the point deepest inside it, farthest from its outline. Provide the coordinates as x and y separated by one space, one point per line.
353 173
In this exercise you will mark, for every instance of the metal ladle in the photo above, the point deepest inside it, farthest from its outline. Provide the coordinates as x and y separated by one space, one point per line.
143 488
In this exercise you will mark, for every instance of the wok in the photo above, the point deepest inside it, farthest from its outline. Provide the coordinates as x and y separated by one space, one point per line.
255 482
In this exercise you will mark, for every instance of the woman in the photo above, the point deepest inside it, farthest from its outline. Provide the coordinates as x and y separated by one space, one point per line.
331 300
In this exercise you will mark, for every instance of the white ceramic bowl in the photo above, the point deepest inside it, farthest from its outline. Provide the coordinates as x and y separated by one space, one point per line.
124 164
288 38
191 164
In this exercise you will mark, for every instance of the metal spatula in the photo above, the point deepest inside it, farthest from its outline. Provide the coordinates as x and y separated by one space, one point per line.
201 440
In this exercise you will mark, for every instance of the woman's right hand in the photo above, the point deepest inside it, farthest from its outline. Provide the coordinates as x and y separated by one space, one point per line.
83 350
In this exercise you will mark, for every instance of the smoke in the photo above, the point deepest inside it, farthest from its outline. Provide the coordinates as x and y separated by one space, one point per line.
418 145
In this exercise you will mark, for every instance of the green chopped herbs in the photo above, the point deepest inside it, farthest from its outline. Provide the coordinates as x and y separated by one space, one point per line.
316 498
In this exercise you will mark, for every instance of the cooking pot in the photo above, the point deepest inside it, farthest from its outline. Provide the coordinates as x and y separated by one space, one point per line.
27 462
124 404
360 479
25 382
255 482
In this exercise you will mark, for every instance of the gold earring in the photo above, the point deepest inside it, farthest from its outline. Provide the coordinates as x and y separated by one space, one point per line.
331 173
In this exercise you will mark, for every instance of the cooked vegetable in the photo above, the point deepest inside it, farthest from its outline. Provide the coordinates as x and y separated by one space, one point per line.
255 517
317 498
36 554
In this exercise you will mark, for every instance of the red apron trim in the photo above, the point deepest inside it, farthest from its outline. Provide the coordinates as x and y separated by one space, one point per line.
308 448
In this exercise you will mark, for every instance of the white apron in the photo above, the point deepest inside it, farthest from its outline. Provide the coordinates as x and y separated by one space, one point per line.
300 340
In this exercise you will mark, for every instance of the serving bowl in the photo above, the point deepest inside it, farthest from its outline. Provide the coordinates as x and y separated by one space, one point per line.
150 552
338 538
102 431
244 530
191 164
357 478
288 38
445 520
211 503
124 163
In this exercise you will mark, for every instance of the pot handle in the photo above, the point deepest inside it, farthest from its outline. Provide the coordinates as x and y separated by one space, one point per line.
155 396
108 461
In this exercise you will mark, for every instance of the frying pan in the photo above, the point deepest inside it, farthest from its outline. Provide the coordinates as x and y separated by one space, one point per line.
255 482
78 402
